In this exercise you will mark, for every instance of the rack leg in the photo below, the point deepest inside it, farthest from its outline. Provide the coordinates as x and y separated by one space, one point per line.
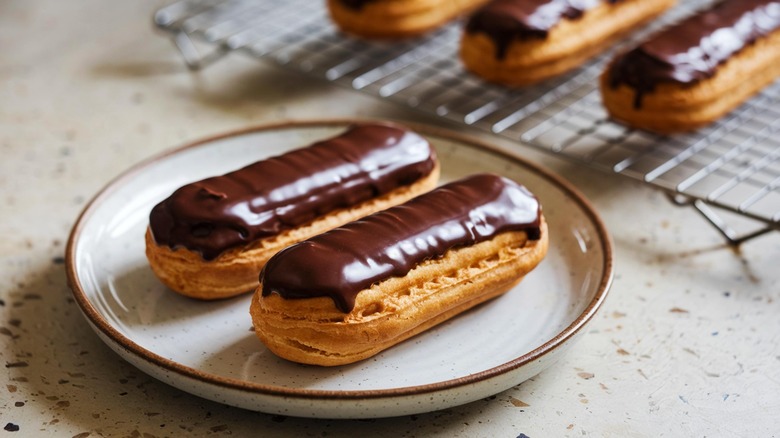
732 237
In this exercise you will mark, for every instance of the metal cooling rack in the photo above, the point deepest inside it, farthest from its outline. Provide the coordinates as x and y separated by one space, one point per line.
730 167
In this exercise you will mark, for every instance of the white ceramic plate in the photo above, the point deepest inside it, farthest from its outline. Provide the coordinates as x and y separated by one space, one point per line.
208 348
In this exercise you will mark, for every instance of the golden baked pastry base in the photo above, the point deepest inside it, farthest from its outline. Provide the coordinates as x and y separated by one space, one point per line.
313 331
674 108
236 271
391 19
567 46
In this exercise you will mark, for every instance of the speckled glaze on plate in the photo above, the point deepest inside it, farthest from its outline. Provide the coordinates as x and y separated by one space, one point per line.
208 348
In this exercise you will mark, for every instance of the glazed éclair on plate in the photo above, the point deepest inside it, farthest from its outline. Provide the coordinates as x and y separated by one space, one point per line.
350 293
696 71
211 238
522 42
392 19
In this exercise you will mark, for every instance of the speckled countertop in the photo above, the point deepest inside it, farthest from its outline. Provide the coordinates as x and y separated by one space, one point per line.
688 343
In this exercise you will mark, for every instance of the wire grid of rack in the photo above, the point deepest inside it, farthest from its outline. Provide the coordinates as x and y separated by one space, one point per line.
732 165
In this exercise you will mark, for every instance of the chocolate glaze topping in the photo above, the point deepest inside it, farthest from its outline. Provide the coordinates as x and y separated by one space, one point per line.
342 262
283 192
507 20
693 49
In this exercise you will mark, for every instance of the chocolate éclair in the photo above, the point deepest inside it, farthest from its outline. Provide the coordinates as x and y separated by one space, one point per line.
522 42
696 71
393 19
211 238
349 293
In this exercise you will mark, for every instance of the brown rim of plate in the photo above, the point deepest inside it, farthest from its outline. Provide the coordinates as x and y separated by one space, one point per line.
97 319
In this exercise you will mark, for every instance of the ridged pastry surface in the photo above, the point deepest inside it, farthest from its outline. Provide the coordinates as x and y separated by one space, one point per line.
319 306
520 42
235 271
314 331
210 238
392 19
698 70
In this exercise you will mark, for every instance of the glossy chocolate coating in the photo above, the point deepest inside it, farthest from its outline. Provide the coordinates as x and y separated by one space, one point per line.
342 262
283 192
507 20
693 49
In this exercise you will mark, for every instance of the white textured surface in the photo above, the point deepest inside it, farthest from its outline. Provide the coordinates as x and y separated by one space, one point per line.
688 343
